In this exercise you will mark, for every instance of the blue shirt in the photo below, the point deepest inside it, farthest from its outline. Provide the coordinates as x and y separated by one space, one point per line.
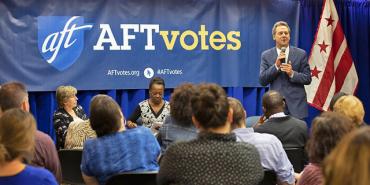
270 149
131 150
171 132
30 176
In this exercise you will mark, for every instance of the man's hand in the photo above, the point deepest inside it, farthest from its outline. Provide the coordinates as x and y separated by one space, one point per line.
131 124
287 68
260 121
279 58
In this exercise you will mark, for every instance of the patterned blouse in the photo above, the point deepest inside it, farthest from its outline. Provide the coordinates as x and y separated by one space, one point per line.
212 159
147 115
62 119
77 133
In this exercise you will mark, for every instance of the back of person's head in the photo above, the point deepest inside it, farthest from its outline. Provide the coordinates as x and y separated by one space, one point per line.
105 115
334 99
156 80
210 106
180 104
64 92
351 107
239 114
327 130
349 162
273 102
13 95
17 132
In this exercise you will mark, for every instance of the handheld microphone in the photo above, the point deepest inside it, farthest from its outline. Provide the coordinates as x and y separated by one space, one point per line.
282 60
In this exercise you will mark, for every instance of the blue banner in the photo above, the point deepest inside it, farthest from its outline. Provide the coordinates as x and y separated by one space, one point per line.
121 44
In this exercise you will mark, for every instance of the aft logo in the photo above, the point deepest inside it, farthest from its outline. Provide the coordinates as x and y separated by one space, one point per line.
61 39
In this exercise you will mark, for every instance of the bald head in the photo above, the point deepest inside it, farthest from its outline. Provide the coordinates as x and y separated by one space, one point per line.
272 102
13 95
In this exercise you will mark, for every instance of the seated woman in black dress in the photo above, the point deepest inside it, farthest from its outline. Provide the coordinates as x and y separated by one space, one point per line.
152 110
68 111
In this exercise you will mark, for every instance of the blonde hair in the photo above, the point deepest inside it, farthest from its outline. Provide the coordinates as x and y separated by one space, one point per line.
17 135
351 107
64 92
349 162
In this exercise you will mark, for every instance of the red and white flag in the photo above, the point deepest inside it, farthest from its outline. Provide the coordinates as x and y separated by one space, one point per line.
332 67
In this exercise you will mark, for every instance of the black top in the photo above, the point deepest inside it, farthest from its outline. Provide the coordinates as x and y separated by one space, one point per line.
211 159
62 119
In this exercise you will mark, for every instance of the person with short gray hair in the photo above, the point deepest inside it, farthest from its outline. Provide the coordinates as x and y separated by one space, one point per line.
67 112
285 69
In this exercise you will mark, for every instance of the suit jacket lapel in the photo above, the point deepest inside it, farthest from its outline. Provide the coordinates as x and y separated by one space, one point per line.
291 54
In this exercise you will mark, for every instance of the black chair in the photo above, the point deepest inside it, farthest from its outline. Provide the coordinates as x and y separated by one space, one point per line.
134 178
70 161
298 158
269 178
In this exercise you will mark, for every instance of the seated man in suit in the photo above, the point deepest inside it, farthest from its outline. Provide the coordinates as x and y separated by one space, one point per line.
270 149
291 131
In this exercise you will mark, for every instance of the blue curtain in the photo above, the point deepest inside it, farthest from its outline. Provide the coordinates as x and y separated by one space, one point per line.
354 16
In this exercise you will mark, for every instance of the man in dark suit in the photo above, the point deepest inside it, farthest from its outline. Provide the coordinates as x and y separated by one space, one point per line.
285 68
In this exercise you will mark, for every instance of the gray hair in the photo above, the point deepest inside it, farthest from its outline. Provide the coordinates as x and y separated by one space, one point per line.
279 23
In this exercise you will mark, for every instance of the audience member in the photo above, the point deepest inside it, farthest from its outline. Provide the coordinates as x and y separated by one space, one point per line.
178 126
349 162
327 130
334 99
68 111
153 110
17 140
15 95
291 131
77 133
270 149
214 157
351 107
115 149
